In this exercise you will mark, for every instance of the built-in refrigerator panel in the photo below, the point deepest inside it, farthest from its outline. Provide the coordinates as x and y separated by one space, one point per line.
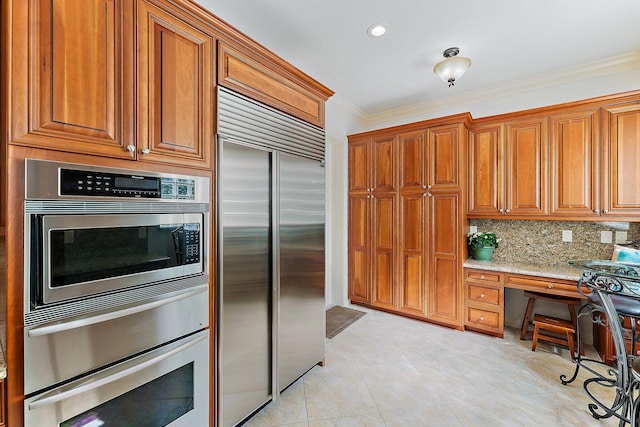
244 280
301 305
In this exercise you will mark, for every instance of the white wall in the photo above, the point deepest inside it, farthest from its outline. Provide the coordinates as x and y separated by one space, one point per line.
342 119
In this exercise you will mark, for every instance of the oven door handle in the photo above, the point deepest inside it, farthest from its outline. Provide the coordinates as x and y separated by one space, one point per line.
86 321
59 396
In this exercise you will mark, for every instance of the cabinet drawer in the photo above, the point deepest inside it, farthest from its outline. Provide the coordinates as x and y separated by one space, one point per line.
483 276
545 285
483 294
483 319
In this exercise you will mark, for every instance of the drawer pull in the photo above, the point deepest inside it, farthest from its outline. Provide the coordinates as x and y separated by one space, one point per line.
481 318
550 286
482 277
481 295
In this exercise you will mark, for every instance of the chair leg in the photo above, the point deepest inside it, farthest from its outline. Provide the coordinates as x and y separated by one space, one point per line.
535 338
527 316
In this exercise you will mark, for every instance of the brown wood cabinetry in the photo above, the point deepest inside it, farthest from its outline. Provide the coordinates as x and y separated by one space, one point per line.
72 76
92 59
603 341
508 169
574 160
484 302
175 82
586 168
411 180
248 75
621 161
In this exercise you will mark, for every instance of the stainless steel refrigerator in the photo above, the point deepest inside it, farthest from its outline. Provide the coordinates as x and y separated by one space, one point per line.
271 308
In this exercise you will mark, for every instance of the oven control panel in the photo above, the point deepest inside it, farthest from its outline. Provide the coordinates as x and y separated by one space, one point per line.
74 182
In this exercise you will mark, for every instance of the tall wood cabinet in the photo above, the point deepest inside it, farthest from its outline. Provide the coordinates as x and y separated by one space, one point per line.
405 219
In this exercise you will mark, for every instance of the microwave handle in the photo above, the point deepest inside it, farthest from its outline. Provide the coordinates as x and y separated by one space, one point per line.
79 323
57 397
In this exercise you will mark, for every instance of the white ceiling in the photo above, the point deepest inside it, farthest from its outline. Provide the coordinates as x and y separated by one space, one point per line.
508 41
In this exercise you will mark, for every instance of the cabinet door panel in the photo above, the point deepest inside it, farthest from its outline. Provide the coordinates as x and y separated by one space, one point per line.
359 243
76 99
485 190
445 151
384 164
412 250
359 166
622 188
175 85
445 294
384 278
574 178
526 149
413 163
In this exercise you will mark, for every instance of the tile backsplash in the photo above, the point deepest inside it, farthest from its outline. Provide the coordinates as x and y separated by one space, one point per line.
540 242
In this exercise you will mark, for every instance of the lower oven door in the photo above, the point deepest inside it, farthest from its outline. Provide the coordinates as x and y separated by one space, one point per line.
64 349
168 386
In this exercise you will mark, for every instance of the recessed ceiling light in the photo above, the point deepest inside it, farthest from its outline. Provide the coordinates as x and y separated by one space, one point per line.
376 30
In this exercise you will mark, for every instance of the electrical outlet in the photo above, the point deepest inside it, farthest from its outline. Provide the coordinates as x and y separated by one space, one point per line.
473 229
621 236
606 237
567 236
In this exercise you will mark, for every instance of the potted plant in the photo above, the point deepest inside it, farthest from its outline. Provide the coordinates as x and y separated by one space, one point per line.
482 245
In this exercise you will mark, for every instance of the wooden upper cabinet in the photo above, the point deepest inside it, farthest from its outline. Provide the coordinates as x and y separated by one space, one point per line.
247 74
176 65
574 159
413 164
372 165
359 165
446 145
71 76
621 160
526 147
486 171
384 164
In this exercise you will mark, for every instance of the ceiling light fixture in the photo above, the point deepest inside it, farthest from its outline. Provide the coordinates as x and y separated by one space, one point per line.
376 30
452 68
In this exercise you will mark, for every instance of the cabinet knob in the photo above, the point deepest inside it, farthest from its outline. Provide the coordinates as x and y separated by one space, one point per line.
501 211
482 277
145 151
424 194
596 211
131 148
506 211
481 295
429 186
550 286
424 186
429 194
605 211
481 317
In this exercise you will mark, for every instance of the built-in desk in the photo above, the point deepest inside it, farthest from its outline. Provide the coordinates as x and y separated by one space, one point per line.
485 281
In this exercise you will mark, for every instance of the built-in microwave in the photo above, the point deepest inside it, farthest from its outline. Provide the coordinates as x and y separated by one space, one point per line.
92 230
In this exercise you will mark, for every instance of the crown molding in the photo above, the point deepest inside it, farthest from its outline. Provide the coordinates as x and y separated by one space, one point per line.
603 67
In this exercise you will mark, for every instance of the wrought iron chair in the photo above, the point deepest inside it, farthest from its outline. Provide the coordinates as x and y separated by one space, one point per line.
613 292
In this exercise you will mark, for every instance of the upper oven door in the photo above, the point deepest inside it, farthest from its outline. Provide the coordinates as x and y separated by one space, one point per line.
74 256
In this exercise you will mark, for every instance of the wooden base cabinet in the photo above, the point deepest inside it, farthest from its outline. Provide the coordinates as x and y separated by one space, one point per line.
405 220
484 302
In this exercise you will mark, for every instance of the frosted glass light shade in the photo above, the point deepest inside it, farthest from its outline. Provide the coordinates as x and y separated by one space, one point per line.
451 69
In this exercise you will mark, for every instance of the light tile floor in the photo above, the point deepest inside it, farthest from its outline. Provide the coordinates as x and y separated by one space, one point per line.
386 370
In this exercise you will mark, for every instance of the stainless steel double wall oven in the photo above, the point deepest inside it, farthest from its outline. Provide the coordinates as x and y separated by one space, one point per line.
116 297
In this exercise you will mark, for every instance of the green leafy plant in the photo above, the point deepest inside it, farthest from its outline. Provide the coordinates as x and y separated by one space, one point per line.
483 240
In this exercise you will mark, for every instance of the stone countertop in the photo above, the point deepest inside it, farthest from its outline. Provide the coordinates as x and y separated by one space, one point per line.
555 272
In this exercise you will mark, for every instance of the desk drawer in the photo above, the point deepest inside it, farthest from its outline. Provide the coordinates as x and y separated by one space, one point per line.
482 276
484 320
540 284
483 294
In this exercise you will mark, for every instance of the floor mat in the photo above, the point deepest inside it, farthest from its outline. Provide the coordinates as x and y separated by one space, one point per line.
340 318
